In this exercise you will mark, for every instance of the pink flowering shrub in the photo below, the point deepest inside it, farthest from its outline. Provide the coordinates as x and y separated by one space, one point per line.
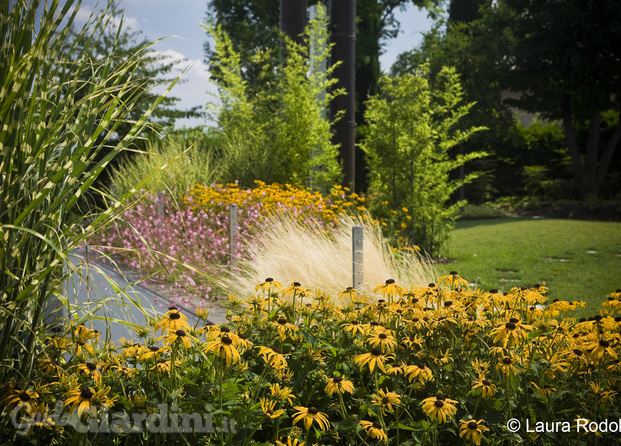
198 238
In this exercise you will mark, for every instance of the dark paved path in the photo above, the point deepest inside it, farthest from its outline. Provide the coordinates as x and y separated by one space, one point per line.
127 300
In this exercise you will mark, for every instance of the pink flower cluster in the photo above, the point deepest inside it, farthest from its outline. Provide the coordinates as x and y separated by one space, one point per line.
199 238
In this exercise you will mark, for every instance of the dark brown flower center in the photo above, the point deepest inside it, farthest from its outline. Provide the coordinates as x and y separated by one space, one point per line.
473 425
276 350
448 303
92 367
86 394
175 316
604 343
510 326
312 410
382 336
355 322
385 400
506 360
376 351
514 320
390 281
154 349
180 333
377 425
297 284
485 382
225 330
24 397
269 279
226 340
337 380
577 352
282 321
439 403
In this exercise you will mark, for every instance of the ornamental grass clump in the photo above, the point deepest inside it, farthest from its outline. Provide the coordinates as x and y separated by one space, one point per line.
412 370
322 259
59 109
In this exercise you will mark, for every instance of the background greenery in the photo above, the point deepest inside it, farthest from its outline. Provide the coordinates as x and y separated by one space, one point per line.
577 260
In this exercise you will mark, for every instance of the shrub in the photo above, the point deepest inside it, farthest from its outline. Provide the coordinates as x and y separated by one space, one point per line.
436 364
410 135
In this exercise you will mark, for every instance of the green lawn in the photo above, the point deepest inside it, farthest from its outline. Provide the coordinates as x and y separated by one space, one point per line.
577 260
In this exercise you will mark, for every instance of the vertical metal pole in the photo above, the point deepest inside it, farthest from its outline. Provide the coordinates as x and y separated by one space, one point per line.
233 238
356 238
318 66
160 204
343 24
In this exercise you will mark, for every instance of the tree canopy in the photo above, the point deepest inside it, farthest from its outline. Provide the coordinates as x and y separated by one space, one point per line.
564 60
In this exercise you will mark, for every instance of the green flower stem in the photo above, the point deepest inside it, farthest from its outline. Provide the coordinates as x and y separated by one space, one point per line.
343 409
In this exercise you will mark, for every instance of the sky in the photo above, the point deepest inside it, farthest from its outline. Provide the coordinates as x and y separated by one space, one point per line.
181 19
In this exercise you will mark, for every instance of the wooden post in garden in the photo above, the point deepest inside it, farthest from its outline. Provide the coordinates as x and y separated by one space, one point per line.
233 238
160 204
356 238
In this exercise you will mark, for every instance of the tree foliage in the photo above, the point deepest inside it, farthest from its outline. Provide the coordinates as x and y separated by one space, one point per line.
564 60
278 133
412 128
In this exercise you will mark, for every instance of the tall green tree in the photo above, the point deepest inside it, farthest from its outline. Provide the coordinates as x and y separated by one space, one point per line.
412 129
253 26
564 61
464 42
278 133
113 49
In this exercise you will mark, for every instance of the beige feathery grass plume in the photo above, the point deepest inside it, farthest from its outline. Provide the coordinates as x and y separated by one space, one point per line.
288 250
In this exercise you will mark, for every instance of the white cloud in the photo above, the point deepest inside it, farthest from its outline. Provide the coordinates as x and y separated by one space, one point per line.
85 13
194 87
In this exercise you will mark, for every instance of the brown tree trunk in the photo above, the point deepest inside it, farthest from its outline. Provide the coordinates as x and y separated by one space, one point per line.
590 169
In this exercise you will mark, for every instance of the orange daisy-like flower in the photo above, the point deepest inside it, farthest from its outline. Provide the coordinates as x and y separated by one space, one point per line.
354 327
90 369
284 328
390 290
268 407
281 393
338 385
172 320
269 286
223 348
419 372
374 358
597 349
310 415
511 333
386 342
439 407
87 401
273 357
453 280
485 386
472 430
181 337
374 430
385 399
